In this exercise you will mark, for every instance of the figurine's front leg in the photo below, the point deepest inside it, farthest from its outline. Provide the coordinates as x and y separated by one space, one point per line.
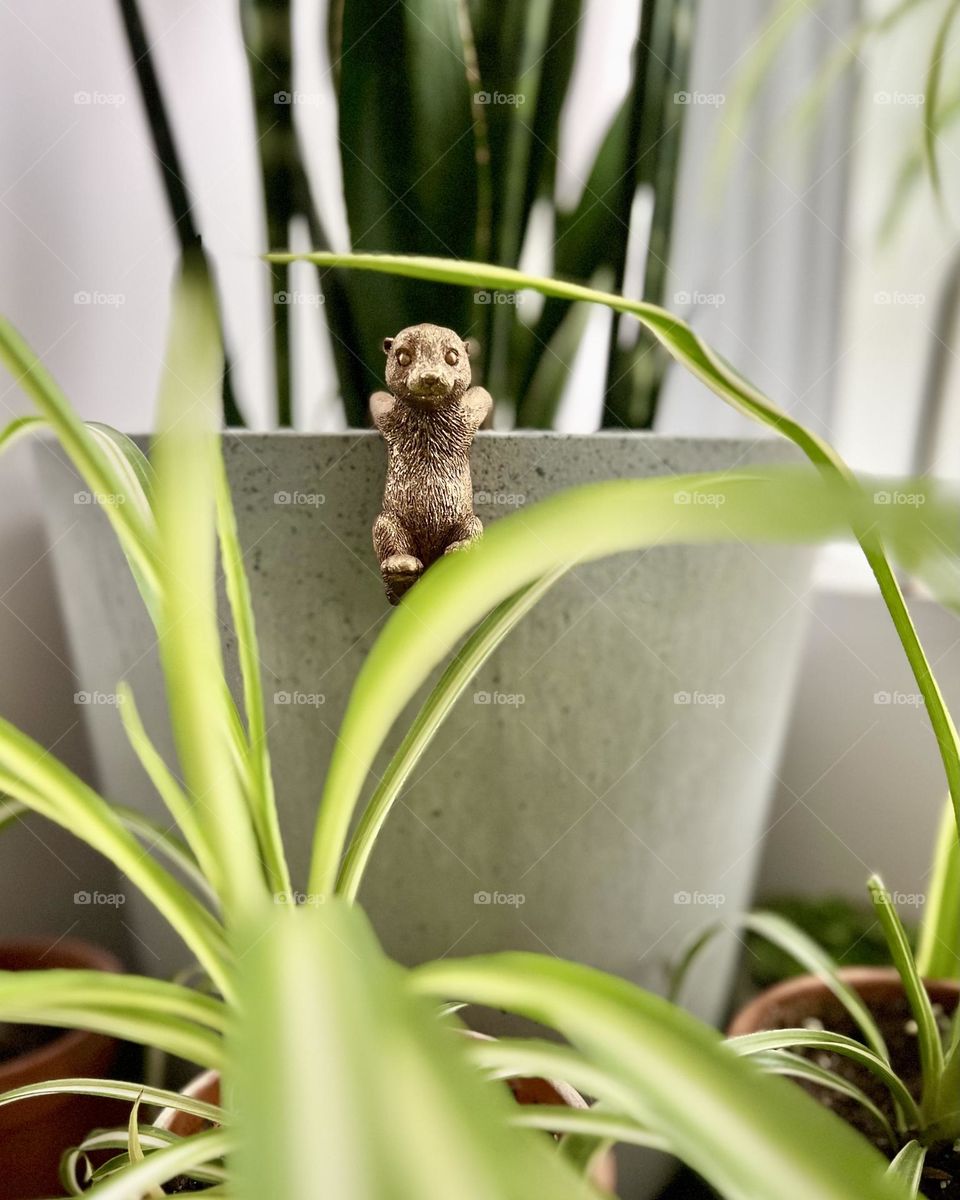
465 535
399 566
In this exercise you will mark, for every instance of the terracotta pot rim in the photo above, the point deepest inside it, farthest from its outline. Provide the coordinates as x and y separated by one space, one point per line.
195 1090
35 1064
753 1016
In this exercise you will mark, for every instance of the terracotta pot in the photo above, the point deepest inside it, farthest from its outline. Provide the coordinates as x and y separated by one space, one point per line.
34 1133
526 1091
788 1004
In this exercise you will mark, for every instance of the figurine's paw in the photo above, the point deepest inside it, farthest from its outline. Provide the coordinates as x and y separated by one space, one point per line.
462 544
400 568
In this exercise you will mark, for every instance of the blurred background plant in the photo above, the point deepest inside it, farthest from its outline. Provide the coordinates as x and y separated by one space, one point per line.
448 131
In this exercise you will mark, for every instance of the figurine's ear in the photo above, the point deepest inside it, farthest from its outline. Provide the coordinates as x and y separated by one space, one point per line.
472 347
387 343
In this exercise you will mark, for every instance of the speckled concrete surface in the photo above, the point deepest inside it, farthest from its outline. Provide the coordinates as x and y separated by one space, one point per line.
602 819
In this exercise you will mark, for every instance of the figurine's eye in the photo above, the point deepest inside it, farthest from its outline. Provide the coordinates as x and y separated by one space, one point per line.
452 357
403 358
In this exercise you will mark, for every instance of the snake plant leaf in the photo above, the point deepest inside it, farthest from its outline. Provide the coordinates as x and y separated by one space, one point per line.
409 160
748 1134
347 1084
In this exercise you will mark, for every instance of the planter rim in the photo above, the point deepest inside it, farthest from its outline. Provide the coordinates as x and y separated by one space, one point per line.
761 436
71 954
805 988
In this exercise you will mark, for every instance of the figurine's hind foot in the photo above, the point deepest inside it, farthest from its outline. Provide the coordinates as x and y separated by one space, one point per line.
400 572
462 544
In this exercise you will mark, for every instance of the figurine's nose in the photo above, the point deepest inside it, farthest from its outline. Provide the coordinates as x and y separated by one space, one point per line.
430 378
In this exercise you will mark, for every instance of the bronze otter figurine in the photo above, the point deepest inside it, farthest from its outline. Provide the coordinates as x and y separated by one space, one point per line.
428 420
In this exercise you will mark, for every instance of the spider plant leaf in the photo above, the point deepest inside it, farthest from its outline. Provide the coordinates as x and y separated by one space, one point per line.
464 666
31 775
408 157
912 171
135 1150
264 806
928 1032
697 357
115 1089
324 1121
783 1062
907 1167
132 1008
832 1043
19 428
737 1128
87 452
185 454
580 525
938 952
931 107
169 790
805 951
591 1122
160 1166
149 832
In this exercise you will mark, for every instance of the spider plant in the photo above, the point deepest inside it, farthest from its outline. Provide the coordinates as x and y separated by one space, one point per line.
921 1123
341 1072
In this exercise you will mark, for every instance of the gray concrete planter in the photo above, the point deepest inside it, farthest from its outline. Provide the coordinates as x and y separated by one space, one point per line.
602 789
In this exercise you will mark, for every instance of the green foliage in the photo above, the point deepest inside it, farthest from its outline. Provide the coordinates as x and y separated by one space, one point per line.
338 1077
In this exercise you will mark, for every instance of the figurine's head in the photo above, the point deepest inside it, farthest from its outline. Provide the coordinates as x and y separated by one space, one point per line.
427 365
